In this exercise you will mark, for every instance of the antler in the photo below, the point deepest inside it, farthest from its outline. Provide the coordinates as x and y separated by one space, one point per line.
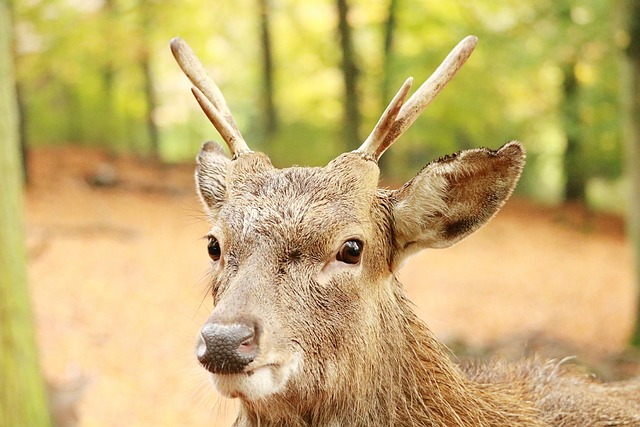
397 118
209 97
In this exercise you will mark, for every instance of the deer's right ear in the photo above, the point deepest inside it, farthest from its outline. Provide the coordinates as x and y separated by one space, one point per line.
211 173
452 197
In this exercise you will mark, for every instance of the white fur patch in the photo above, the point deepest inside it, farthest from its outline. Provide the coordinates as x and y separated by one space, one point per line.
258 383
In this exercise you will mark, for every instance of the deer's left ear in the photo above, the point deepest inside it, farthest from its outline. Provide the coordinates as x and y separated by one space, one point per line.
211 174
454 196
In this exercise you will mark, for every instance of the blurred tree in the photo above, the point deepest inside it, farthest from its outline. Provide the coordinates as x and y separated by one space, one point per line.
579 52
575 186
23 400
630 15
387 54
101 91
269 107
350 76
24 155
109 20
146 8
583 51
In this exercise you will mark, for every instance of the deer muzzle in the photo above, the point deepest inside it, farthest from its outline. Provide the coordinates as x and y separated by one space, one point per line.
227 349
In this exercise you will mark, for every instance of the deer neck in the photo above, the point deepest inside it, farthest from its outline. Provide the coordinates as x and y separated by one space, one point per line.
423 387
404 378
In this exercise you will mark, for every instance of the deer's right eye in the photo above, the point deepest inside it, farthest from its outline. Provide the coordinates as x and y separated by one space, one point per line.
213 247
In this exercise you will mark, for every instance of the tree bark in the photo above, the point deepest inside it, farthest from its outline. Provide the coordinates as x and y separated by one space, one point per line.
23 400
22 132
270 113
22 113
630 91
575 187
149 84
350 76
151 103
387 54
109 80
389 38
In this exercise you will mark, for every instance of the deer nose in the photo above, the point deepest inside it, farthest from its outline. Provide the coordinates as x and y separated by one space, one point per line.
227 349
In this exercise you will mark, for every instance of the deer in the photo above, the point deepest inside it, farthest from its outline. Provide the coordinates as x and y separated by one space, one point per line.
310 325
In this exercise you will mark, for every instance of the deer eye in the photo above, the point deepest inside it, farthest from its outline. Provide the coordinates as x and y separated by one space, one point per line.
213 247
350 252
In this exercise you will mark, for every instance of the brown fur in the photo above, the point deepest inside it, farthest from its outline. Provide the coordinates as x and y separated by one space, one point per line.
364 358
310 325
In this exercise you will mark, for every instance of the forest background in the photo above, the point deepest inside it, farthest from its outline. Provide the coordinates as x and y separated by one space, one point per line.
308 79
304 87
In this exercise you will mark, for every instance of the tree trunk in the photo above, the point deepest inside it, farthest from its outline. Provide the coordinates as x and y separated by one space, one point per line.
22 131
350 76
151 103
630 91
23 400
149 85
22 124
112 136
575 188
387 54
270 113
389 37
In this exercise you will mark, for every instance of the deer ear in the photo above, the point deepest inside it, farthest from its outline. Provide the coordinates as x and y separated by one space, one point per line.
211 173
454 196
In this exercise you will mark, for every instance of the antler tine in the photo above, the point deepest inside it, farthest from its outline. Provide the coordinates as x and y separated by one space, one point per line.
224 128
209 96
382 128
417 103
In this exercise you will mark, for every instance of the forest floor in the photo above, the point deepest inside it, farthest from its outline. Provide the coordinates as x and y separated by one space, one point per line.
118 278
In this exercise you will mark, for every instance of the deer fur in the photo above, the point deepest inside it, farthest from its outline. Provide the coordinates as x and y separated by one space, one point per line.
333 341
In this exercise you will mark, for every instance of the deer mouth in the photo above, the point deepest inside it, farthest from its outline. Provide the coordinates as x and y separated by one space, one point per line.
257 382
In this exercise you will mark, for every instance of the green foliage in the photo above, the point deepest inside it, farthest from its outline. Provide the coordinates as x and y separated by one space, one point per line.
80 66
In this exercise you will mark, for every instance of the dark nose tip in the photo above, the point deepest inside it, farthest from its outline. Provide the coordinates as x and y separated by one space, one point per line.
227 349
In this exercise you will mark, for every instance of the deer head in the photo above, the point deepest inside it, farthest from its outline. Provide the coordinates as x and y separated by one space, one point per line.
304 259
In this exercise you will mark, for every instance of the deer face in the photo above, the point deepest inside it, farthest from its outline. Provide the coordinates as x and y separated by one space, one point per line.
303 259
289 250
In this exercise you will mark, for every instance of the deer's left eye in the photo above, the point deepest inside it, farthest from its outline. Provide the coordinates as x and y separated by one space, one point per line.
350 252
213 247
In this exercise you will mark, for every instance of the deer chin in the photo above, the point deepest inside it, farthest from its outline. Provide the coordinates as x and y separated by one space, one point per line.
256 383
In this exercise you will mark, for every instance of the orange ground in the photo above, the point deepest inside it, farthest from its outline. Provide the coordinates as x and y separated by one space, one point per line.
119 277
